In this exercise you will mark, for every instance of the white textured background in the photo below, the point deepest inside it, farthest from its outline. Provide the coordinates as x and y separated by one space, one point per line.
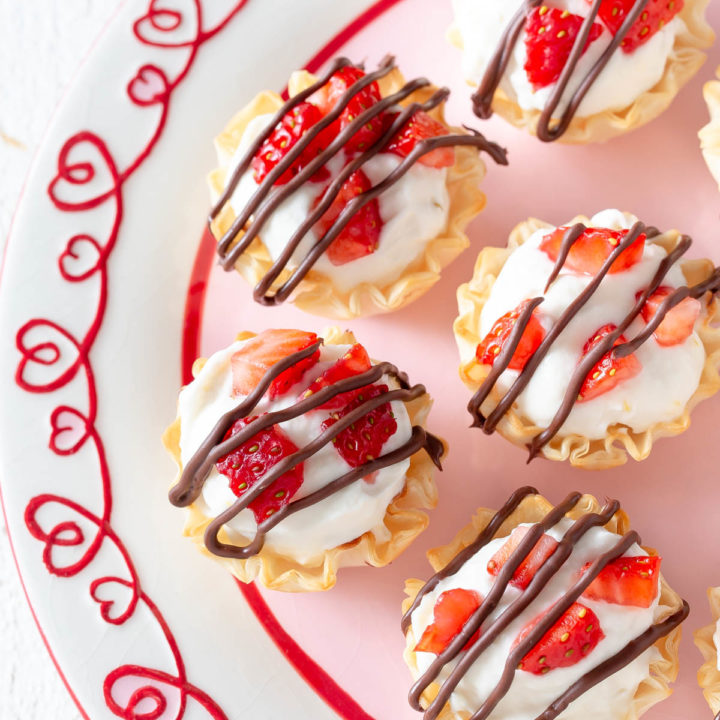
42 43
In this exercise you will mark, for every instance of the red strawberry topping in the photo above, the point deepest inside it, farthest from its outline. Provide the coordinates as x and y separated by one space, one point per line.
610 371
252 460
521 578
573 636
354 362
361 235
549 38
260 353
327 97
656 14
677 325
284 137
363 441
452 610
593 248
626 581
422 126
494 341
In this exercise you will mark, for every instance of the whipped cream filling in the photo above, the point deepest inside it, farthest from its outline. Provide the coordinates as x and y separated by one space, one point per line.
625 77
669 375
529 695
339 518
414 211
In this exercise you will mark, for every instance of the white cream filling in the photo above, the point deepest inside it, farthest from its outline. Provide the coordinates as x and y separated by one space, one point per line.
625 77
338 519
529 694
414 211
669 375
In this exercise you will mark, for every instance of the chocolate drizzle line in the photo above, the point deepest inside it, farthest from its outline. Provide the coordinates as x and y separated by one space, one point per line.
540 580
482 99
267 198
606 344
214 447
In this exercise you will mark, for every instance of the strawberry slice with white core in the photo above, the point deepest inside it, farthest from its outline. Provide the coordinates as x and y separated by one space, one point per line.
679 322
260 353
654 17
542 550
574 636
354 362
452 610
631 581
550 34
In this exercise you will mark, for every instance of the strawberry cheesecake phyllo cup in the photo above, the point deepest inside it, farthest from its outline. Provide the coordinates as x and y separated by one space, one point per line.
300 455
543 612
349 198
707 640
587 342
579 70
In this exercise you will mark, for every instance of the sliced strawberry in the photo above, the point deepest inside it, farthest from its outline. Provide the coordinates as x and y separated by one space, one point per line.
363 440
593 248
361 235
495 340
252 460
284 137
678 324
610 371
573 636
327 97
452 610
549 38
422 126
354 362
656 14
626 581
521 578
260 353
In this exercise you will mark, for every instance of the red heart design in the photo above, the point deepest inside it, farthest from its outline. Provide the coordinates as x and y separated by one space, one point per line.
149 86
111 591
70 430
81 258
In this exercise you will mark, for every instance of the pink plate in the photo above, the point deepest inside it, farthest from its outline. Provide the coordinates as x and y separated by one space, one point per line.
95 294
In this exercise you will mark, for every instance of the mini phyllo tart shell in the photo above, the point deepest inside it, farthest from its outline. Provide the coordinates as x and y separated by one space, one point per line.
709 675
710 134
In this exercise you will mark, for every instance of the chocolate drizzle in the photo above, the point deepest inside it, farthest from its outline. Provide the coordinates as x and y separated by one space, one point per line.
197 469
606 344
266 199
482 99
544 575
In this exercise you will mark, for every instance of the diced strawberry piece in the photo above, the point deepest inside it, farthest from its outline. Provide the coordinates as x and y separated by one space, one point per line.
593 248
550 34
251 461
656 14
284 137
610 371
420 127
521 578
260 353
452 610
363 441
361 235
574 635
327 97
354 362
626 581
495 340
678 324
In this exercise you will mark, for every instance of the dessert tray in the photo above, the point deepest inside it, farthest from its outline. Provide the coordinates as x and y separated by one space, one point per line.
110 289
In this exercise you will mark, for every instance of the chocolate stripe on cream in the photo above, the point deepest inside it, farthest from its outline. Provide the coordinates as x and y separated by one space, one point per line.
214 447
483 97
540 580
605 345
265 200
